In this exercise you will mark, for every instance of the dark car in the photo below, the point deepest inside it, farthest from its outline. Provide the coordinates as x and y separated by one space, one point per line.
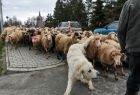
112 27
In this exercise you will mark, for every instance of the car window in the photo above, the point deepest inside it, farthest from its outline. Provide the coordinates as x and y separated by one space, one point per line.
113 25
64 24
75 24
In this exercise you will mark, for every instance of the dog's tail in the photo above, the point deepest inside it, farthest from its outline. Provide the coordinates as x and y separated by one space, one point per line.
86 43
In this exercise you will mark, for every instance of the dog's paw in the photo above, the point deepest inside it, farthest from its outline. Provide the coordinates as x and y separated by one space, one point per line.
91 88
66 94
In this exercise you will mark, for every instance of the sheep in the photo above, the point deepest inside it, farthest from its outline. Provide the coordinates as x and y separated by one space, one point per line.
7 31
27 41
36 40
92 49
15 38
110 36
63 42
85 35
114 43
46 40
110 56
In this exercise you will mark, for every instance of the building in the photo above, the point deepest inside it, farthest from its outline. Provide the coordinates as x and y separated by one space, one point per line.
39 22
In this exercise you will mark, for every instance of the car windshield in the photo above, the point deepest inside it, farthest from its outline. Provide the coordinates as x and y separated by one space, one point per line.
64 24
75 24
113 25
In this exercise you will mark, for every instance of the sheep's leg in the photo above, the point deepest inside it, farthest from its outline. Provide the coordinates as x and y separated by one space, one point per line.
105 70
115 73
57 53
63 56
66 49
16 45
122 71
30 45
47 56
12 45
69 87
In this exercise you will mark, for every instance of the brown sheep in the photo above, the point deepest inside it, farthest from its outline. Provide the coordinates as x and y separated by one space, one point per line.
85 35
7 31
46 40
92 48
110 56
114 43
15 38
110 36
36 40
63 42
113 36
117 46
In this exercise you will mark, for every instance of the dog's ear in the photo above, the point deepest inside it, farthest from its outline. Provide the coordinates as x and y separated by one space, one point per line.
81 74
82 71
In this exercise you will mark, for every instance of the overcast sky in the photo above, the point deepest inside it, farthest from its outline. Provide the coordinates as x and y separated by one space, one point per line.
27 8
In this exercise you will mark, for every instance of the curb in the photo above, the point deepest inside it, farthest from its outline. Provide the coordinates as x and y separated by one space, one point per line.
34 69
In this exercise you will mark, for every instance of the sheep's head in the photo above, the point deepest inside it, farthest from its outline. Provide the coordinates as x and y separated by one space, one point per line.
112 35
116 57
88 34
48 35
2 36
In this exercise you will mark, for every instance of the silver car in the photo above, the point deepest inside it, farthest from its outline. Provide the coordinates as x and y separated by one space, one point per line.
70 25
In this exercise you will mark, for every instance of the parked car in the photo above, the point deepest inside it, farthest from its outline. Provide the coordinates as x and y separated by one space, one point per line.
66 26
112 27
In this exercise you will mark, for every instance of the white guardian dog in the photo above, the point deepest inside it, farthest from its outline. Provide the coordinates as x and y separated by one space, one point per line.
79 67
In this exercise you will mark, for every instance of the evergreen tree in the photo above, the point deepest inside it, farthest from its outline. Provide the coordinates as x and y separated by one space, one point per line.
50 21
78 12
89 10
71 10
59 11
97 15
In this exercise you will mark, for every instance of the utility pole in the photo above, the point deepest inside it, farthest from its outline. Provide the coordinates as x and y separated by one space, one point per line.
1 17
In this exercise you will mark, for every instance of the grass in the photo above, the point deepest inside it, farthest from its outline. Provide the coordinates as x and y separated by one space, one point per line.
1 48
1 56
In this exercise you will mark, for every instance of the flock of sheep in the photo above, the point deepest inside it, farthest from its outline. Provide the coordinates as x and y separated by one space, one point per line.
81 49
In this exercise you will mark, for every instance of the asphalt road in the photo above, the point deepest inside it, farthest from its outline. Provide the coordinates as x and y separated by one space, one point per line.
54 81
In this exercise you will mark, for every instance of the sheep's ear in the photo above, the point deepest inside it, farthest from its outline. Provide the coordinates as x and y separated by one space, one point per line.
123 57
98 43
113 53
76 34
